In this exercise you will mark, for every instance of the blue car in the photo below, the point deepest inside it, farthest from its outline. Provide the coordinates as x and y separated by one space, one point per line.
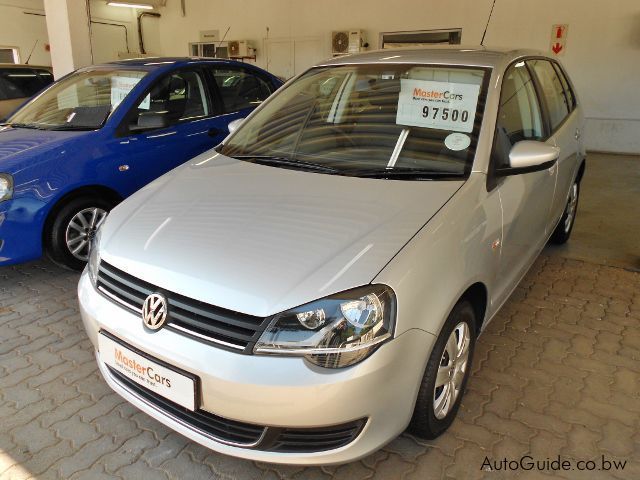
99 134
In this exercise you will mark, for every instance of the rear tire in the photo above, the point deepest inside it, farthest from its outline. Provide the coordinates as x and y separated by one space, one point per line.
565 226
70 233
441 392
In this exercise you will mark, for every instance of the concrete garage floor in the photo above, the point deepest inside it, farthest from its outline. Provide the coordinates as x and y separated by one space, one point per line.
556 373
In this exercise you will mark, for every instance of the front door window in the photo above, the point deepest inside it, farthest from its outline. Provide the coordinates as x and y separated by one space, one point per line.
519 116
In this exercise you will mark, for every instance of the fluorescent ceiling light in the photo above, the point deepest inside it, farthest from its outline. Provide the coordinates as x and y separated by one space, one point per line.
130 5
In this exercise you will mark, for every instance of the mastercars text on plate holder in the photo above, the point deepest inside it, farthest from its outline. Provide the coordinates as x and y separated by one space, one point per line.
160 379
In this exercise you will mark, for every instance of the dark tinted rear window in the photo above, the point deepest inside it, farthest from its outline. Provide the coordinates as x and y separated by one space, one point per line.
22 82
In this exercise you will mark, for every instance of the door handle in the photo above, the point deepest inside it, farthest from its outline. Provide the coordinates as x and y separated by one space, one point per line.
578 134
214 132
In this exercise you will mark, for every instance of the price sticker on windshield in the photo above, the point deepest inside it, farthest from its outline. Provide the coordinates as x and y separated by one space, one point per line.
120 88
441 105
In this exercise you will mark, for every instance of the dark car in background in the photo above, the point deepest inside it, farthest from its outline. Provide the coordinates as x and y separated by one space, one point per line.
20 82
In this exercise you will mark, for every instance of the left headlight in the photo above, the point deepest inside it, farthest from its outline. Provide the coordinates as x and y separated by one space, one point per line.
336 331
94 256
6 186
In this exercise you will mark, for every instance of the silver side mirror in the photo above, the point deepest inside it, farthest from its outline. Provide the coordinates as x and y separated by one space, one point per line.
529 154
233 125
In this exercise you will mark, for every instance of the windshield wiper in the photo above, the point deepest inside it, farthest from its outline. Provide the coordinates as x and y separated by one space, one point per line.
287 162
407 173
71 128
21 125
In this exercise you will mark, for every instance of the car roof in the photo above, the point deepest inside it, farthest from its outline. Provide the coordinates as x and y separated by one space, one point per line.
477 56
22 65
151 62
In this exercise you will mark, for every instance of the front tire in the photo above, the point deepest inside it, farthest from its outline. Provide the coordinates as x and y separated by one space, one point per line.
69 237
564 228
446 375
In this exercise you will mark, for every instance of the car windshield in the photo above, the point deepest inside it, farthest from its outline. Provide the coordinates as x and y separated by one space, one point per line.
82 101
387 121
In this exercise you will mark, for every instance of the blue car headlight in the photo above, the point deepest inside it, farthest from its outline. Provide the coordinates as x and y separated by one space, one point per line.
336 331
6 186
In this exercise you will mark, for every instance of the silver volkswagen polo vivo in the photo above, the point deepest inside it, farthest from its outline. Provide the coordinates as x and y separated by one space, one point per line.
315 285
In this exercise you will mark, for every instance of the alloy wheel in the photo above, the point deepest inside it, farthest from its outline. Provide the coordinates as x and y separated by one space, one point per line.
571 207
81 230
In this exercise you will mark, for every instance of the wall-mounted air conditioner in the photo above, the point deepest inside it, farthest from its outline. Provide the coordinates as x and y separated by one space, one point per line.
241 48
346 41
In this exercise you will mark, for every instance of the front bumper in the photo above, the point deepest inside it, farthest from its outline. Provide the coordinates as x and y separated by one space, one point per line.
274 391
21 222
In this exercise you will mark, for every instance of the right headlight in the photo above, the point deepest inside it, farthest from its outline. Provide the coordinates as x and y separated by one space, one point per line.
336 331
6 186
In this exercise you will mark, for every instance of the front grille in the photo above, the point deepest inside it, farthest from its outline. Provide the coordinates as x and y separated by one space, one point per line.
206 322
248 435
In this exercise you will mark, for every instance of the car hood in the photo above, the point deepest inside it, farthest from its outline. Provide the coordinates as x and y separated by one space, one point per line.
258 239
18 146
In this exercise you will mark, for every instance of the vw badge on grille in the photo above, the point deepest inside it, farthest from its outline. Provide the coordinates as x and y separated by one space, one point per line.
154 311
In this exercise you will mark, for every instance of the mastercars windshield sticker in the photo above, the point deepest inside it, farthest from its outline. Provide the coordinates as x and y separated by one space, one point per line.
120 88
440 105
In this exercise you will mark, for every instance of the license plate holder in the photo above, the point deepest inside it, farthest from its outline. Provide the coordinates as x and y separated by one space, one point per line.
155 375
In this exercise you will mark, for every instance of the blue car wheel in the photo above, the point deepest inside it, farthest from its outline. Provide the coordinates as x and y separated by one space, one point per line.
69 236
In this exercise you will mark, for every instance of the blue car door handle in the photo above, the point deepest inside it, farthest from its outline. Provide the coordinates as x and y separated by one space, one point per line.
214 132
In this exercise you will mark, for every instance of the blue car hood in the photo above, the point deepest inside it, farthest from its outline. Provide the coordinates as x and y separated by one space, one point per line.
19 146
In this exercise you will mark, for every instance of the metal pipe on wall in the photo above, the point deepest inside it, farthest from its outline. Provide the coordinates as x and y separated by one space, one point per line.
112 24
140 38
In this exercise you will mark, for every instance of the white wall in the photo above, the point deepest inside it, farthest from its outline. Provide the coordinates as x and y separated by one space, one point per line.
21 30
108 40
603 46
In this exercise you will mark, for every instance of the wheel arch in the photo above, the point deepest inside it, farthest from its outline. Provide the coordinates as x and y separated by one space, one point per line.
85 191
477 295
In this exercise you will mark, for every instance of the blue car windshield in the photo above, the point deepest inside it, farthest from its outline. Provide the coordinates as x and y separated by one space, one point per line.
81 101
384 120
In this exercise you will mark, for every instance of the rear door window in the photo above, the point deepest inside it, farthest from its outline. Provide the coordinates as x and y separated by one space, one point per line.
568 93
552 91
240 89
